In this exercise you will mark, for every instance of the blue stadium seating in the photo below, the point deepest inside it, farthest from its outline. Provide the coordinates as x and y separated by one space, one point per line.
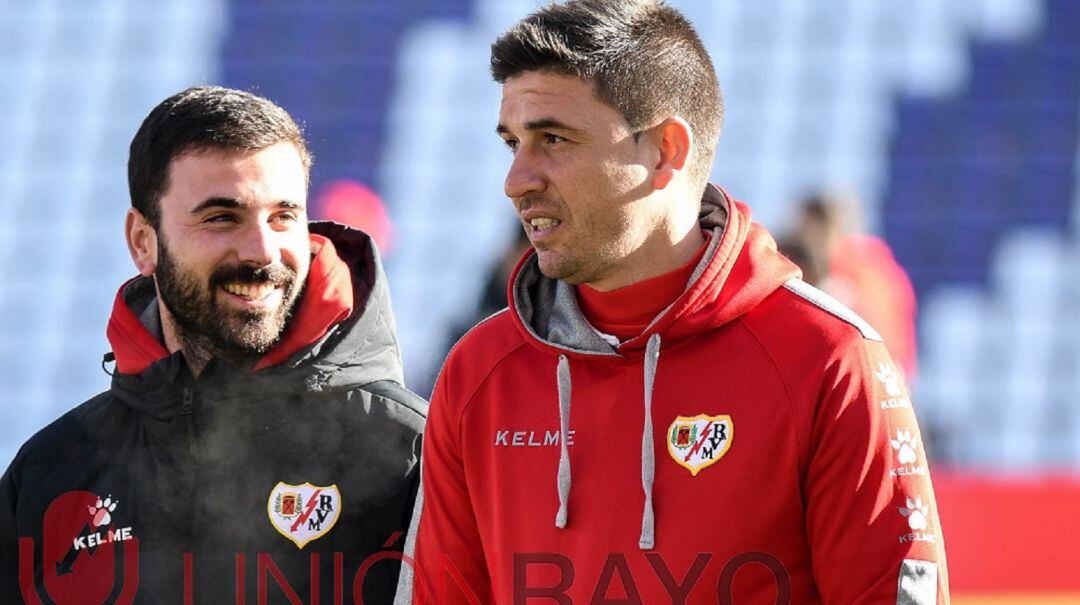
995 156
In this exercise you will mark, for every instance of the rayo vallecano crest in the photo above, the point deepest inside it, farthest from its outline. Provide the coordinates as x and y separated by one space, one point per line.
699 441
303 513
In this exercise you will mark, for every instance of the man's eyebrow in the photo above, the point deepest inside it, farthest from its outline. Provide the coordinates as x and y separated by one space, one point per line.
235 204
540 124
548 124
217 202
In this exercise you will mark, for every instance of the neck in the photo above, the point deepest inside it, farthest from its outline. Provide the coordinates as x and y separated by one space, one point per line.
626 312
196 354
662 253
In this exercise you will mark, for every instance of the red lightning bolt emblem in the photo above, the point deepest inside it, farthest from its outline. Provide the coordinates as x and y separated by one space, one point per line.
701 442
307 511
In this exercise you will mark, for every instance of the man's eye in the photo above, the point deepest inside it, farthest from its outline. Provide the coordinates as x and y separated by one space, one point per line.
511 144
553 139
220 218
284 217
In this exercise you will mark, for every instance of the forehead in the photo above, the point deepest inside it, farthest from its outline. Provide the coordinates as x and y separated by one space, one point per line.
535 95
265 175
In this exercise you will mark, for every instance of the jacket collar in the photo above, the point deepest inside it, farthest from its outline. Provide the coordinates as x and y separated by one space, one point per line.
328 298
740 268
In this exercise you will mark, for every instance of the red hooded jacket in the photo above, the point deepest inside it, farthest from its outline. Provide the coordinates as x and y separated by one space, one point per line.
755 444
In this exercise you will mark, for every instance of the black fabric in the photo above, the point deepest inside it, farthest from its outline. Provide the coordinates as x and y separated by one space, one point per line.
190 464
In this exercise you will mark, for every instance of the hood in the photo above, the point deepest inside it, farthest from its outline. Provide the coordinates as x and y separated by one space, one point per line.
342 335
740 267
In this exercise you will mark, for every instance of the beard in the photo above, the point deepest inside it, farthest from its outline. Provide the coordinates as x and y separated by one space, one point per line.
207 327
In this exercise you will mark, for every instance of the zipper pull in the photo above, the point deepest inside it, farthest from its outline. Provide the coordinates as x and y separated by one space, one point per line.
185 405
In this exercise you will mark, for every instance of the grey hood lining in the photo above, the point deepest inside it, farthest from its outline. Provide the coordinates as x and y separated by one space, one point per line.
549 310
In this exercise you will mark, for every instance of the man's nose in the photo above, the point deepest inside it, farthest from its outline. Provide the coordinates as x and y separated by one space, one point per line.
259 245
524 176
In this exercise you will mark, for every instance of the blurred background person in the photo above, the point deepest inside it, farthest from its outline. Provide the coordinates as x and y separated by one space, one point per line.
354 204
836 255
491 299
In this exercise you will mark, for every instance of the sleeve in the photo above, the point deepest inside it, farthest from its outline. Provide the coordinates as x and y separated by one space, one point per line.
447 565
872 518
382 581
9 546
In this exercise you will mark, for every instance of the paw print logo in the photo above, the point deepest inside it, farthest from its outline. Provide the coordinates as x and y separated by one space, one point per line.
888 377
101 511
905 445
916 513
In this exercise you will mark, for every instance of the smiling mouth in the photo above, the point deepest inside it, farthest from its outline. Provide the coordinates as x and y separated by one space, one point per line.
250 291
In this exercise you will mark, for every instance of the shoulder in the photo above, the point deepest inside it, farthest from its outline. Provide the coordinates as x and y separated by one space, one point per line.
825 354
398 402
67 438
812 339
87 421
800 318
493 344
496 333
484 346
830 308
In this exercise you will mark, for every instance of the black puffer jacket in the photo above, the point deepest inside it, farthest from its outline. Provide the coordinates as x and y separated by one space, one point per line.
174 489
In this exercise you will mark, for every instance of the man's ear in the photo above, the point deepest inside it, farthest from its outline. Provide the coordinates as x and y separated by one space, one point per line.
142 242
674 139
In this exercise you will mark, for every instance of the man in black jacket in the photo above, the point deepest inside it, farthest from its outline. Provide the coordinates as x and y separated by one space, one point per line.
256 441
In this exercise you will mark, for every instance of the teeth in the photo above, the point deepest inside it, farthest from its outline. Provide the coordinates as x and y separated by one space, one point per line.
250 291
543 223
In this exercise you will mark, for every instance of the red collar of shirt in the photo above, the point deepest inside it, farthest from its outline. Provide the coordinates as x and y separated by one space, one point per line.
626 312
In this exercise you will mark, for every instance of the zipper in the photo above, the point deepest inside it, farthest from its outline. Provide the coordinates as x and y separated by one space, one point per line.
187 409
186 402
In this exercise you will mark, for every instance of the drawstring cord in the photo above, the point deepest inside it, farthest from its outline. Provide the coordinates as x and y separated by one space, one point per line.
648 450
563 375
648 454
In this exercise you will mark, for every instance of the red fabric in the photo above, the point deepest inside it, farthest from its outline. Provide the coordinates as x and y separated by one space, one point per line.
626 311
1011 533
803 504
328 299
133 345
864 275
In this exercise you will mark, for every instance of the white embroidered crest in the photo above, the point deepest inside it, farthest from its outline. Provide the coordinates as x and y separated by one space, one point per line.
303 513
697 442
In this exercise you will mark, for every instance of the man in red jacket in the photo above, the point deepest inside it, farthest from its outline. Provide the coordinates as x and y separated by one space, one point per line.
666 413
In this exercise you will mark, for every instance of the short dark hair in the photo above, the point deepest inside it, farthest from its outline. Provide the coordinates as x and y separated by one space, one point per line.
203 118
643 57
